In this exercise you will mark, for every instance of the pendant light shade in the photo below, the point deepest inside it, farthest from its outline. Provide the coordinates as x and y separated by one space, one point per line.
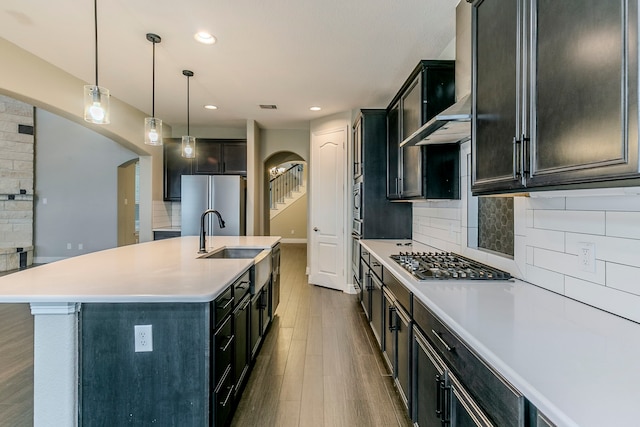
153 125
188 142
96 98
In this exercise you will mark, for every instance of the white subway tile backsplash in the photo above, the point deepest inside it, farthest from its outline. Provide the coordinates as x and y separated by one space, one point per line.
545 203
567 264
623 277
575 221
623 224
612 249
608 299
604 203
547 279
546 239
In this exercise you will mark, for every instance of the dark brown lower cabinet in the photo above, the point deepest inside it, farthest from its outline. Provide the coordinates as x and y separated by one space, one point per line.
195 374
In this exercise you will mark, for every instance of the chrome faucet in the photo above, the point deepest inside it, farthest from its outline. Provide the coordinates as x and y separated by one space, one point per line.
202 233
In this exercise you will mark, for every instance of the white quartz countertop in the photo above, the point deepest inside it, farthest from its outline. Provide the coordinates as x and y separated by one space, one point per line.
578 365
158 271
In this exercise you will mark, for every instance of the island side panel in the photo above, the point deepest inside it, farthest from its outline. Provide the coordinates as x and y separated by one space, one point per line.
167 386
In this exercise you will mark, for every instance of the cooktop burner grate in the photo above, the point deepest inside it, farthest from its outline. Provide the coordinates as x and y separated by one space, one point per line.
447 266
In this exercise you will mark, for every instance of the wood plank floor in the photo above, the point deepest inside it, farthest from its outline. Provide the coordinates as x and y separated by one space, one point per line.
318 365
16 365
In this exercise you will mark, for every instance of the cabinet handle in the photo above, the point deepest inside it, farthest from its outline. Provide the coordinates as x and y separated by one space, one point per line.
438 397
226 305
516 158
242 283
375 264
392 326
446 403
226 399
442 340
225 347
525 161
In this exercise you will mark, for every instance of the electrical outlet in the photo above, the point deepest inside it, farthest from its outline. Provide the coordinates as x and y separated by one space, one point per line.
68 245
293 232
143 336
80 246
587 257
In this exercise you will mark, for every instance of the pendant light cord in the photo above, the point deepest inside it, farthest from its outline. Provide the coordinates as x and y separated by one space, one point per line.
95 26
153 83
188 77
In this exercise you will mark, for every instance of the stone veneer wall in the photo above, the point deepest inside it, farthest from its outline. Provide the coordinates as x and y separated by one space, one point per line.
16 183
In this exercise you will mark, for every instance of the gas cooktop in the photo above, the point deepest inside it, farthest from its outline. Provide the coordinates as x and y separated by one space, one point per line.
446 265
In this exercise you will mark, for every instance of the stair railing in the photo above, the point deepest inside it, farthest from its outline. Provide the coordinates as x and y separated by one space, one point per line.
284 184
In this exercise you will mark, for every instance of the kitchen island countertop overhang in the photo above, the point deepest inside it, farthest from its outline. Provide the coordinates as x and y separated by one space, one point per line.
167 270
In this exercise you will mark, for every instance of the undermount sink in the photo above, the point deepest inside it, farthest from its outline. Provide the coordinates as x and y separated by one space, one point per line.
245 253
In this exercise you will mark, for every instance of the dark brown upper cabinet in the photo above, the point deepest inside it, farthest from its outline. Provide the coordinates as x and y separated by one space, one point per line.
429 89
213 157
555 94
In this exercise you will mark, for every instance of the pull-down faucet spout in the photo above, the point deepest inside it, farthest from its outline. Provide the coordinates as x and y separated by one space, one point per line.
202 233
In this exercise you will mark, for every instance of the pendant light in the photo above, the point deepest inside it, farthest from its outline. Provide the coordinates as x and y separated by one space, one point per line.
96 98
152 125
188 142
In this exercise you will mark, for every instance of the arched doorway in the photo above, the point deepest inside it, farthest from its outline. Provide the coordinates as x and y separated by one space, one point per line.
285 198
128 203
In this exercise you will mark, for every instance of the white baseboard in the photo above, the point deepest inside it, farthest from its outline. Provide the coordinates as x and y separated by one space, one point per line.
47 259
285 240
352 288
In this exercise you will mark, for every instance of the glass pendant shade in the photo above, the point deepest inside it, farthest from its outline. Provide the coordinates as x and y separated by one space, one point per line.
96 104
152 131
189 147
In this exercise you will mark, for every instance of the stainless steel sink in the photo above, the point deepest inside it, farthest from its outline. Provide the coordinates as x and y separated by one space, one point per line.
247 253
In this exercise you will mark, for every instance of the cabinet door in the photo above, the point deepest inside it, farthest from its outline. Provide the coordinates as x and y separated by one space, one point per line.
411 157
389 342
255 333
585 91
357 148
242 355
403 346
497 92
208 157
234 158
462 410
366 289
393 150
174 167
264 307
427 376
376 316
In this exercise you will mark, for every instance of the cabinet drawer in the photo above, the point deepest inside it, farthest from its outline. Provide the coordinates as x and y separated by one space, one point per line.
223 400
365 255
401 293
241 287
223 346
222 306
376 267
501 402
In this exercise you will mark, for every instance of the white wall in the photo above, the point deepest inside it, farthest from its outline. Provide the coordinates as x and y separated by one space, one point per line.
549 228
76 172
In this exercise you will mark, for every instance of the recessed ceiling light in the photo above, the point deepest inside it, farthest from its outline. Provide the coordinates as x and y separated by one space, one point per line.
211 107
204 37
315 108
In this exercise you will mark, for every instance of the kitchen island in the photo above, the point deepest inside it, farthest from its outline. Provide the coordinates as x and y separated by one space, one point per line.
161 272
576 364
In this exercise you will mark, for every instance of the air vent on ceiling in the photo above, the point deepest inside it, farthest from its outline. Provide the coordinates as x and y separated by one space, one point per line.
268 106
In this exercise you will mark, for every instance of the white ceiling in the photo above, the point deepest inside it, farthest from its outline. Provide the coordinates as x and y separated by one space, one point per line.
338 54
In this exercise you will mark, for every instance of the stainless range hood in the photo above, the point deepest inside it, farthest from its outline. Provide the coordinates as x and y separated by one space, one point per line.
451 126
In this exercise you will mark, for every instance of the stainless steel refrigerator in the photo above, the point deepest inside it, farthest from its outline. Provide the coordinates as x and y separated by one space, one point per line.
224 193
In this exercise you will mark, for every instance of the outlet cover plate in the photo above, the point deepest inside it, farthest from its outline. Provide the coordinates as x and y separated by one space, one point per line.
587 257
143 335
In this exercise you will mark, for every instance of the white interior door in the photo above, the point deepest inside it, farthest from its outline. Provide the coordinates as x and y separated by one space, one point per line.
327 214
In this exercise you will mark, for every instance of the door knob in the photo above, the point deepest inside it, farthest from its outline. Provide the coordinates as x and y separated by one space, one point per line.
315 228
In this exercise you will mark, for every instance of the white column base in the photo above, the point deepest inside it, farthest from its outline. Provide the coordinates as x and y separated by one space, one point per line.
55 364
